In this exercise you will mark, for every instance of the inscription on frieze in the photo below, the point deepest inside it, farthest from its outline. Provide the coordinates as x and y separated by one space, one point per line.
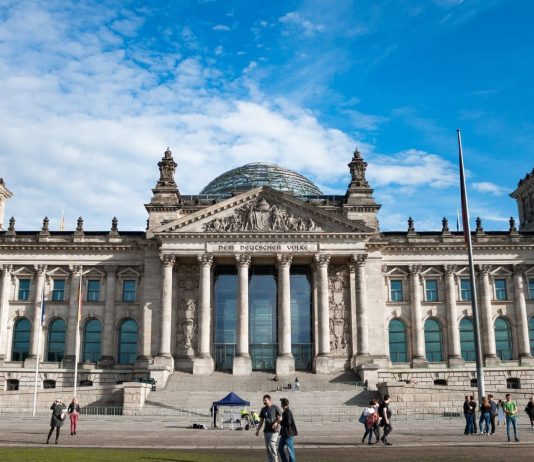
262 247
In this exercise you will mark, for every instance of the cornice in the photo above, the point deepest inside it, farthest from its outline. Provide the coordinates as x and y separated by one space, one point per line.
312 236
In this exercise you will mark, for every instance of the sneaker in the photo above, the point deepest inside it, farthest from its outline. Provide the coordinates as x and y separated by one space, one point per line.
387 443
517 440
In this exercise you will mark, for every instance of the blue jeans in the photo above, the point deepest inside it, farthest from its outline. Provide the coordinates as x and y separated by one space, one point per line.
288 441
468 424
510 419
484 417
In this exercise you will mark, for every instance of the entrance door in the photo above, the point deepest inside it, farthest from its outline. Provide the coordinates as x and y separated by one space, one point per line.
262 317
225 317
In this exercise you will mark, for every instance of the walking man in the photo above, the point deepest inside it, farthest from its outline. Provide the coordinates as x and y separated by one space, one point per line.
468 417
510 410
270 415
493 413
385 423
288 431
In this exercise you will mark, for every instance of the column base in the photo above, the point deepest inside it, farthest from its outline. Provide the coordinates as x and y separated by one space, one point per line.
163 361
203 365
456 361
526 360
242 365
31 361
369 375
184 363
360 359
492 361
107 362
419 362
285 365
68 362
323 365
143 362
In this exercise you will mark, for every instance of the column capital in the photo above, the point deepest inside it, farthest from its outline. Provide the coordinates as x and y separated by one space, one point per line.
243 259
358 259
484 269
449 269
518 269
111 270
321 259
168 259
205 259
40 269
6 269
284 259
76 270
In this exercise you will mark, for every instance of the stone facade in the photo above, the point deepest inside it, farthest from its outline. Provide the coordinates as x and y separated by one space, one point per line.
153 291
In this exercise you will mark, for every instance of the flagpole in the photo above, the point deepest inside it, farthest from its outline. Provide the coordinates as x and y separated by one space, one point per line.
38 355
76 355
467 234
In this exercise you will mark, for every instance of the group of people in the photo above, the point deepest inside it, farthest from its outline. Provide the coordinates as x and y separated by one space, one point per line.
59 414
494 412
279 430
296 387
375 416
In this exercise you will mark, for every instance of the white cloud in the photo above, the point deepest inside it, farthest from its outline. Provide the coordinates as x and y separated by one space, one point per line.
221 28
491 188
295 19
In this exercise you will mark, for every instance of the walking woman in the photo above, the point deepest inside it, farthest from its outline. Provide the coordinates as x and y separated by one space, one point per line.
74 412
371 418
58 416
530 411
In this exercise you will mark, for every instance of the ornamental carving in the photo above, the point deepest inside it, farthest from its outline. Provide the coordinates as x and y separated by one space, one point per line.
261 216
338 298
186 319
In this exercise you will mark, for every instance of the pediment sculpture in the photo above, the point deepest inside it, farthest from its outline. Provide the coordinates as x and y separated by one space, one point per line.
261 216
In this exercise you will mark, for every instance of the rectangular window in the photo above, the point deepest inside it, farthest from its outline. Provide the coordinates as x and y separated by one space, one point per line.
128 291
465 290
500 289
396 291
531 289
431 290
58 291
93 290
24 289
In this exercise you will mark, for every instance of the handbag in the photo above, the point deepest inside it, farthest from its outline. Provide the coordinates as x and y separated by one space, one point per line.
362 419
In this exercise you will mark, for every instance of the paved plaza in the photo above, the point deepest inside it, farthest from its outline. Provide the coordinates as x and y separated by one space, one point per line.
165 433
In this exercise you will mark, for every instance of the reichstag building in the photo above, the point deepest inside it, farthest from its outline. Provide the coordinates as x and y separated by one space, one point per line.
261 271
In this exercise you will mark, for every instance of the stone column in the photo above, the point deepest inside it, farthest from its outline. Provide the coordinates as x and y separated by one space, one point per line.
353 316
108 350
36 325
361 310
242 362
418 332
285 362
166 306
486 314
72 318
203 362
523 340
4 310
453 328
322 362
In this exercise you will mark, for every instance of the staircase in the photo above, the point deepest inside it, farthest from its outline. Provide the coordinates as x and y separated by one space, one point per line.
188 398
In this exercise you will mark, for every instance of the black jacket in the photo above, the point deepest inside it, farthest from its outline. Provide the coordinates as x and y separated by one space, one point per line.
287 425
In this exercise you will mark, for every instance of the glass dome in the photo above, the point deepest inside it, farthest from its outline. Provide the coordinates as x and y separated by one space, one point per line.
258 174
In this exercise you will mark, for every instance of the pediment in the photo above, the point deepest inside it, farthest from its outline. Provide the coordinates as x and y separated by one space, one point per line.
262 210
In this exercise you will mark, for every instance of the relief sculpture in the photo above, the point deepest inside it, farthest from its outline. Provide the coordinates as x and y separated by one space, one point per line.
338 285
261 216
186 325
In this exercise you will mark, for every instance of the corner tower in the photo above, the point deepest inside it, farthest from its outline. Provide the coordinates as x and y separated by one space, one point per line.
5 194
359 201
524 195
166 204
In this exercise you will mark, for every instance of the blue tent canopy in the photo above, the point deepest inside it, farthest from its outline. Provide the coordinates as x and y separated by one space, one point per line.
231 399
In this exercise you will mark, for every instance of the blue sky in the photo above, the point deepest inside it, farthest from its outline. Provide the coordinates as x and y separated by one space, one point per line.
92 93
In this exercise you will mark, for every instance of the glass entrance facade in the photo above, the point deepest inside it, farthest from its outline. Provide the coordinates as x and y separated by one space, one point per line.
262 308
263 318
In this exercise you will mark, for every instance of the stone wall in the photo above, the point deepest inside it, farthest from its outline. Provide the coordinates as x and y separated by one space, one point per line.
416 399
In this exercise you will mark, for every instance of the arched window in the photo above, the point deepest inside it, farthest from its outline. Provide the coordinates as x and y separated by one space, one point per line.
503 339
531 333
398 346
21 340
56 340
127 342
92 341
433 341
467 340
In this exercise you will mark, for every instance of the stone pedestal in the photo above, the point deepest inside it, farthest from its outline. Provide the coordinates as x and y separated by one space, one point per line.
361 359
369 375
203 365
456 361
163 362
492 361
183 363
323 365
68 362
142 362
285 365
419 363
107 362
526 360
242 365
